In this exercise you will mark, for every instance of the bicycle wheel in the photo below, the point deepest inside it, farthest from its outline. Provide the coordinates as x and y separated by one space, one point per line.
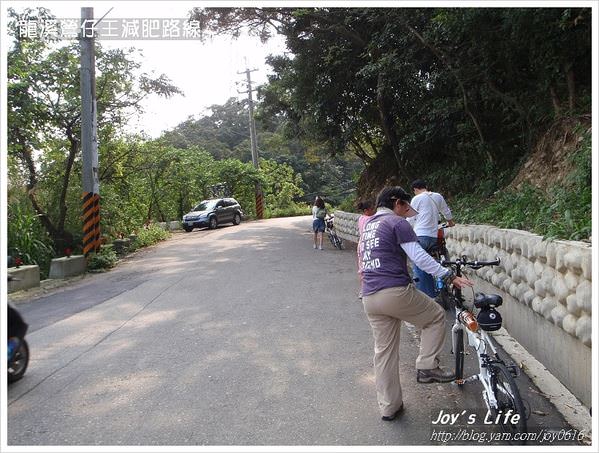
505 390
338 242
459 357
331 238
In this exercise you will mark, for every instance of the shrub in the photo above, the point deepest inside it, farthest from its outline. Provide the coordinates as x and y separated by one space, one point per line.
150 235
292 210
104 259
27 239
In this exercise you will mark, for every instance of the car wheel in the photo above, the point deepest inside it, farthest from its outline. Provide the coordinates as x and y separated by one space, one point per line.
188 229
212 223
236 219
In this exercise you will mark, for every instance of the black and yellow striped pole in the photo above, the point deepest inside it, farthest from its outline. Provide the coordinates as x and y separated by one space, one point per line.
259 202
91 223
89 138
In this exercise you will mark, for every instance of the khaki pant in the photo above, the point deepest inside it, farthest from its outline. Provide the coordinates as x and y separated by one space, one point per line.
385 310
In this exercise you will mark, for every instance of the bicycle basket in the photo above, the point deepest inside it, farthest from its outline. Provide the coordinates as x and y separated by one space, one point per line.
489 319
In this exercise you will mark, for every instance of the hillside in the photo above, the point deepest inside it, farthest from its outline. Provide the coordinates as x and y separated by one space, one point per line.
551 194
551 161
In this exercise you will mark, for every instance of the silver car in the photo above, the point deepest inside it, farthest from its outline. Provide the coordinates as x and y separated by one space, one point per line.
214 212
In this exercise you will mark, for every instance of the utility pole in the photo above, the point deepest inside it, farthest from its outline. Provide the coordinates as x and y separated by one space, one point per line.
253 143
89 135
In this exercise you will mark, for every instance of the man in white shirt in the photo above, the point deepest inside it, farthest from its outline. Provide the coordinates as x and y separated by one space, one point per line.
429 205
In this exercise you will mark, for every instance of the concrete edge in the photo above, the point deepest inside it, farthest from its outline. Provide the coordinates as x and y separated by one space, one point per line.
575 413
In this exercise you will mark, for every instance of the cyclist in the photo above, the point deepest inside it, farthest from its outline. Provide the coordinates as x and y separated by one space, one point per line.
319 212
429 205
389 296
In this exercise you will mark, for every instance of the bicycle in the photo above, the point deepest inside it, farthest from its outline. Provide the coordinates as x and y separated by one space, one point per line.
329 223
500 391
439 253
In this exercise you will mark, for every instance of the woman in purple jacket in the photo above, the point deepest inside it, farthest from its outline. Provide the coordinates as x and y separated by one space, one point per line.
390 297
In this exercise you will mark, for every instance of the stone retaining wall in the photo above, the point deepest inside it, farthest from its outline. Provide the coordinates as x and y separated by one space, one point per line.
547 291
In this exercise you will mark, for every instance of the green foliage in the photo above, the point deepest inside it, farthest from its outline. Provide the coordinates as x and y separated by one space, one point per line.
106 258
281 187
291 210
44 121
348 204
561 212
150 235
27 239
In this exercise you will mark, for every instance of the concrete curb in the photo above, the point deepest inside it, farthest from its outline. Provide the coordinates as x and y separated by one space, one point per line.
575 413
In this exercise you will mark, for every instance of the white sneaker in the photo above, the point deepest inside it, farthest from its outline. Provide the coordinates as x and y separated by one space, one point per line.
320 248
315 246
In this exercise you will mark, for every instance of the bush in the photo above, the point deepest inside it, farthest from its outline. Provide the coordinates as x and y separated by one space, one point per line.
27 239
348 204
104 259
292 210
150 235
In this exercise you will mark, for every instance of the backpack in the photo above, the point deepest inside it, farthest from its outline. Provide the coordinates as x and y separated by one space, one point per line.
321 213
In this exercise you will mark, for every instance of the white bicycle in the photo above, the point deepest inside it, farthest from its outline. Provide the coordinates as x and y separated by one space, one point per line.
500 391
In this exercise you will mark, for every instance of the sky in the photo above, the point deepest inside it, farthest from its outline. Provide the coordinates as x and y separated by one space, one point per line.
207 73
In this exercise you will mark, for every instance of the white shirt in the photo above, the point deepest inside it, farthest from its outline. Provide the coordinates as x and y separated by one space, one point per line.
428 205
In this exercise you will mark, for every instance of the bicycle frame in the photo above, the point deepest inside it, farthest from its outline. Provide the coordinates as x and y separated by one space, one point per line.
479 341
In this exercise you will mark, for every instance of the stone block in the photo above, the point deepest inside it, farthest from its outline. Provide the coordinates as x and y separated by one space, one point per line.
558 314
536 304
547 305
120 246
560 289
528 297
584 295
560 261
531 275
586 264
540 289
572 280
67 266
572 305
27 276
573 259
584 330
551 253
569 324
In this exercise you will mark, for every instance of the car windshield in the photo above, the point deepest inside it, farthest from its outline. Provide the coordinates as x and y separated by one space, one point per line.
205 205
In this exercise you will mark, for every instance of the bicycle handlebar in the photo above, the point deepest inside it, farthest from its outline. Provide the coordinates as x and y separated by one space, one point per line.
471 264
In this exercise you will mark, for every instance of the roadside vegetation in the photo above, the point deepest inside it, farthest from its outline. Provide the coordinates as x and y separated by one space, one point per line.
561 211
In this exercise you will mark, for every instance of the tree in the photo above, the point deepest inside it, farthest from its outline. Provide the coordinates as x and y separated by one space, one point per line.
44 114
422 91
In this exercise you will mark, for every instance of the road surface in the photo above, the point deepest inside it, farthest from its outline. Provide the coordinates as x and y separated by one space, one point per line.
244 335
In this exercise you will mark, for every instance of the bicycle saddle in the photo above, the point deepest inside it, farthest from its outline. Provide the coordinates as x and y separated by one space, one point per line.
487 300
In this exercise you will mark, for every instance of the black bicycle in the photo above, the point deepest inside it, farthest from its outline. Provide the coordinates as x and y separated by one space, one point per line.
329 223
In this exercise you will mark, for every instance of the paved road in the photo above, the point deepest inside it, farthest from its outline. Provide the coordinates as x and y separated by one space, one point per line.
239 336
